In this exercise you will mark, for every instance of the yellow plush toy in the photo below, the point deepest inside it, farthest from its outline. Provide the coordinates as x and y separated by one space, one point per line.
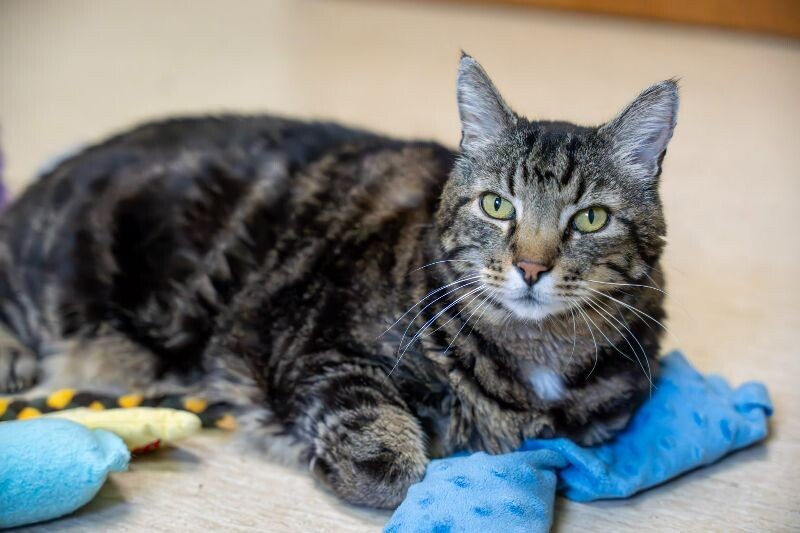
144 423
141 428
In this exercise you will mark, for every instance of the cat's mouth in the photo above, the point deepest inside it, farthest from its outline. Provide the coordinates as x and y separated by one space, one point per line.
529 298
529 301
529 305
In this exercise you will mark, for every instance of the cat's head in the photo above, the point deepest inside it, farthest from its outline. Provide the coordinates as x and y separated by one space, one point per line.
545 213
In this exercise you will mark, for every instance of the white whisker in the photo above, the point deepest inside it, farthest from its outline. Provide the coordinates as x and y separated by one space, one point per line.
596 355
467 278
445 261
428 323
607 307
611 344
636 311
492 299
411 323
651 279
460 311
672 297
625 338
574 337
628 285
485 299
627 326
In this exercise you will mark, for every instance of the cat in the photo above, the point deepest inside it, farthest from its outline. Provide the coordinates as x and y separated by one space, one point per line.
367 303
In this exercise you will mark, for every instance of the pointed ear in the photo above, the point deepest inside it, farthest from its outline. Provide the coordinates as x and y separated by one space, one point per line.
639 135
483 112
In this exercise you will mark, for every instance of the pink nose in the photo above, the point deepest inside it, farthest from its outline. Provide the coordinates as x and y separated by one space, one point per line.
531 270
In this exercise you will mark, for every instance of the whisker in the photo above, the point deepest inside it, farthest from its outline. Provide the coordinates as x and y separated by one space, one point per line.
467 278
574 337
644 354
594 304
485 299
428 323
651 279
445 261
460 311
627 326
411 323
596 355
654 287
611 344
680 304
628 285
636 311
607 307
419 333
493 298
672 268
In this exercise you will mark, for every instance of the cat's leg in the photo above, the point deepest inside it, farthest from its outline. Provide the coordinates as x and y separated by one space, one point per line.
344 421
18 363
108 363
104 361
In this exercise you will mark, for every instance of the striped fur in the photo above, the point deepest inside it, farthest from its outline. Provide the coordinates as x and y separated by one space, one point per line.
263 262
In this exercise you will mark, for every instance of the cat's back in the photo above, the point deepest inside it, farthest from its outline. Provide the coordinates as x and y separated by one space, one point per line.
125 221
177 155
174 153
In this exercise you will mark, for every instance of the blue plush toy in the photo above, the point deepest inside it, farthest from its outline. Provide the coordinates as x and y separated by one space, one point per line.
51 467
690 421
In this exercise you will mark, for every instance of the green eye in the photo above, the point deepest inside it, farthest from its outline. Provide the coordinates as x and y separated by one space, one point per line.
590 220
497 207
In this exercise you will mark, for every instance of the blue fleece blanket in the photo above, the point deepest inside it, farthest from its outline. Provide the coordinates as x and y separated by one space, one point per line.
690 421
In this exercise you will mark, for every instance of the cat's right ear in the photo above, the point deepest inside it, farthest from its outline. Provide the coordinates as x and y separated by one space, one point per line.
483 112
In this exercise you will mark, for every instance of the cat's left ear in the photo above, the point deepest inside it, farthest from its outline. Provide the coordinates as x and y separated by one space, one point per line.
638 136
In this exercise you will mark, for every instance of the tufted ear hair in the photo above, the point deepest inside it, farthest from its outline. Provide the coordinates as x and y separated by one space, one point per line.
483 112
638 136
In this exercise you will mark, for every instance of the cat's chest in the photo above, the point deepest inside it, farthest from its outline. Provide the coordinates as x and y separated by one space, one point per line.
537 359
545 383
505 389
487 418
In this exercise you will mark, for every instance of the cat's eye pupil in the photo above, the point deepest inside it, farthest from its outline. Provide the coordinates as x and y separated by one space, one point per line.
496 206
590 219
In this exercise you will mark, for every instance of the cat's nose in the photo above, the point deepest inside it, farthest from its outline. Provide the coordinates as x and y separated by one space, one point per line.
531 270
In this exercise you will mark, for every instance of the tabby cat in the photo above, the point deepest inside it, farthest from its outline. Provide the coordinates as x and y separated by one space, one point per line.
367 303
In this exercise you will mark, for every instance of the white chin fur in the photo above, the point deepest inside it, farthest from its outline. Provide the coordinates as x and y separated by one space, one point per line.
530 311
537 309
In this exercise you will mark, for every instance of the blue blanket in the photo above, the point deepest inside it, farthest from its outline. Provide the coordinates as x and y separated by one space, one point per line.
690 421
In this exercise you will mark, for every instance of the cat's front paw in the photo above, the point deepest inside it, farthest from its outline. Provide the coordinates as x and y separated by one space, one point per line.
370 459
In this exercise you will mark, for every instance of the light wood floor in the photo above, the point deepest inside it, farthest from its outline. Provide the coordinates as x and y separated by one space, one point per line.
71 72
